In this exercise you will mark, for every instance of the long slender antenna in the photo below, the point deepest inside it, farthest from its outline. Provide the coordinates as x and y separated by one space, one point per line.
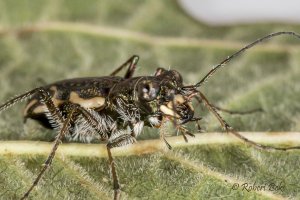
229 129
228 59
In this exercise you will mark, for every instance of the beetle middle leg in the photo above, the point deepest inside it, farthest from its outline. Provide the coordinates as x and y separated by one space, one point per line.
117 138
131 63
118 141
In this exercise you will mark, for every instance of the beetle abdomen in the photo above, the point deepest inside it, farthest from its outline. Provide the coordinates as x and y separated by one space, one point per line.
89 93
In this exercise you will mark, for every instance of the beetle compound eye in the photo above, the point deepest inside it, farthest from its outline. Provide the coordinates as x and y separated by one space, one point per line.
148 91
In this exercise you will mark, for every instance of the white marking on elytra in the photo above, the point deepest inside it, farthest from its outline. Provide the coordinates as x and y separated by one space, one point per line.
95 102
56 101
31 103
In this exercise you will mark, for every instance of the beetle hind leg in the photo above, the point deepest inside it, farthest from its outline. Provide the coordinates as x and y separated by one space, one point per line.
48 162
132 62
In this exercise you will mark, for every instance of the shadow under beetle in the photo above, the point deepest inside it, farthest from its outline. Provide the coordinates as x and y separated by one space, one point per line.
115 109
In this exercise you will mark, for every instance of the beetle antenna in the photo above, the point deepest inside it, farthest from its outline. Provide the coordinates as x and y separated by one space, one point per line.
229 129
239 52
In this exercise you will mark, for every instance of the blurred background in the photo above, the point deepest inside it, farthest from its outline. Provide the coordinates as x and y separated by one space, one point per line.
43 41
233 12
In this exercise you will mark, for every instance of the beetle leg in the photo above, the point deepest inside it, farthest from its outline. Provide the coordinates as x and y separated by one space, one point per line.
52 154
118 141
229 129
53 113
116 184
132 62
199 128
88 117
166 142
162 133
44 97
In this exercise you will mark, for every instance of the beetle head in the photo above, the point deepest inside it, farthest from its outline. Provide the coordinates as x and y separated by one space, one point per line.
162 93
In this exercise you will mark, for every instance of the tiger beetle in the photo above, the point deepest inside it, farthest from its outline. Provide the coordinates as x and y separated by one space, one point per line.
115 109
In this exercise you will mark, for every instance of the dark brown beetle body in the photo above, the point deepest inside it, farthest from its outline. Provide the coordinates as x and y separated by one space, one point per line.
89 93
119 102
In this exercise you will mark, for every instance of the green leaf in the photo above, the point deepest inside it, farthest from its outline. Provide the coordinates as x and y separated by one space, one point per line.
54 40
